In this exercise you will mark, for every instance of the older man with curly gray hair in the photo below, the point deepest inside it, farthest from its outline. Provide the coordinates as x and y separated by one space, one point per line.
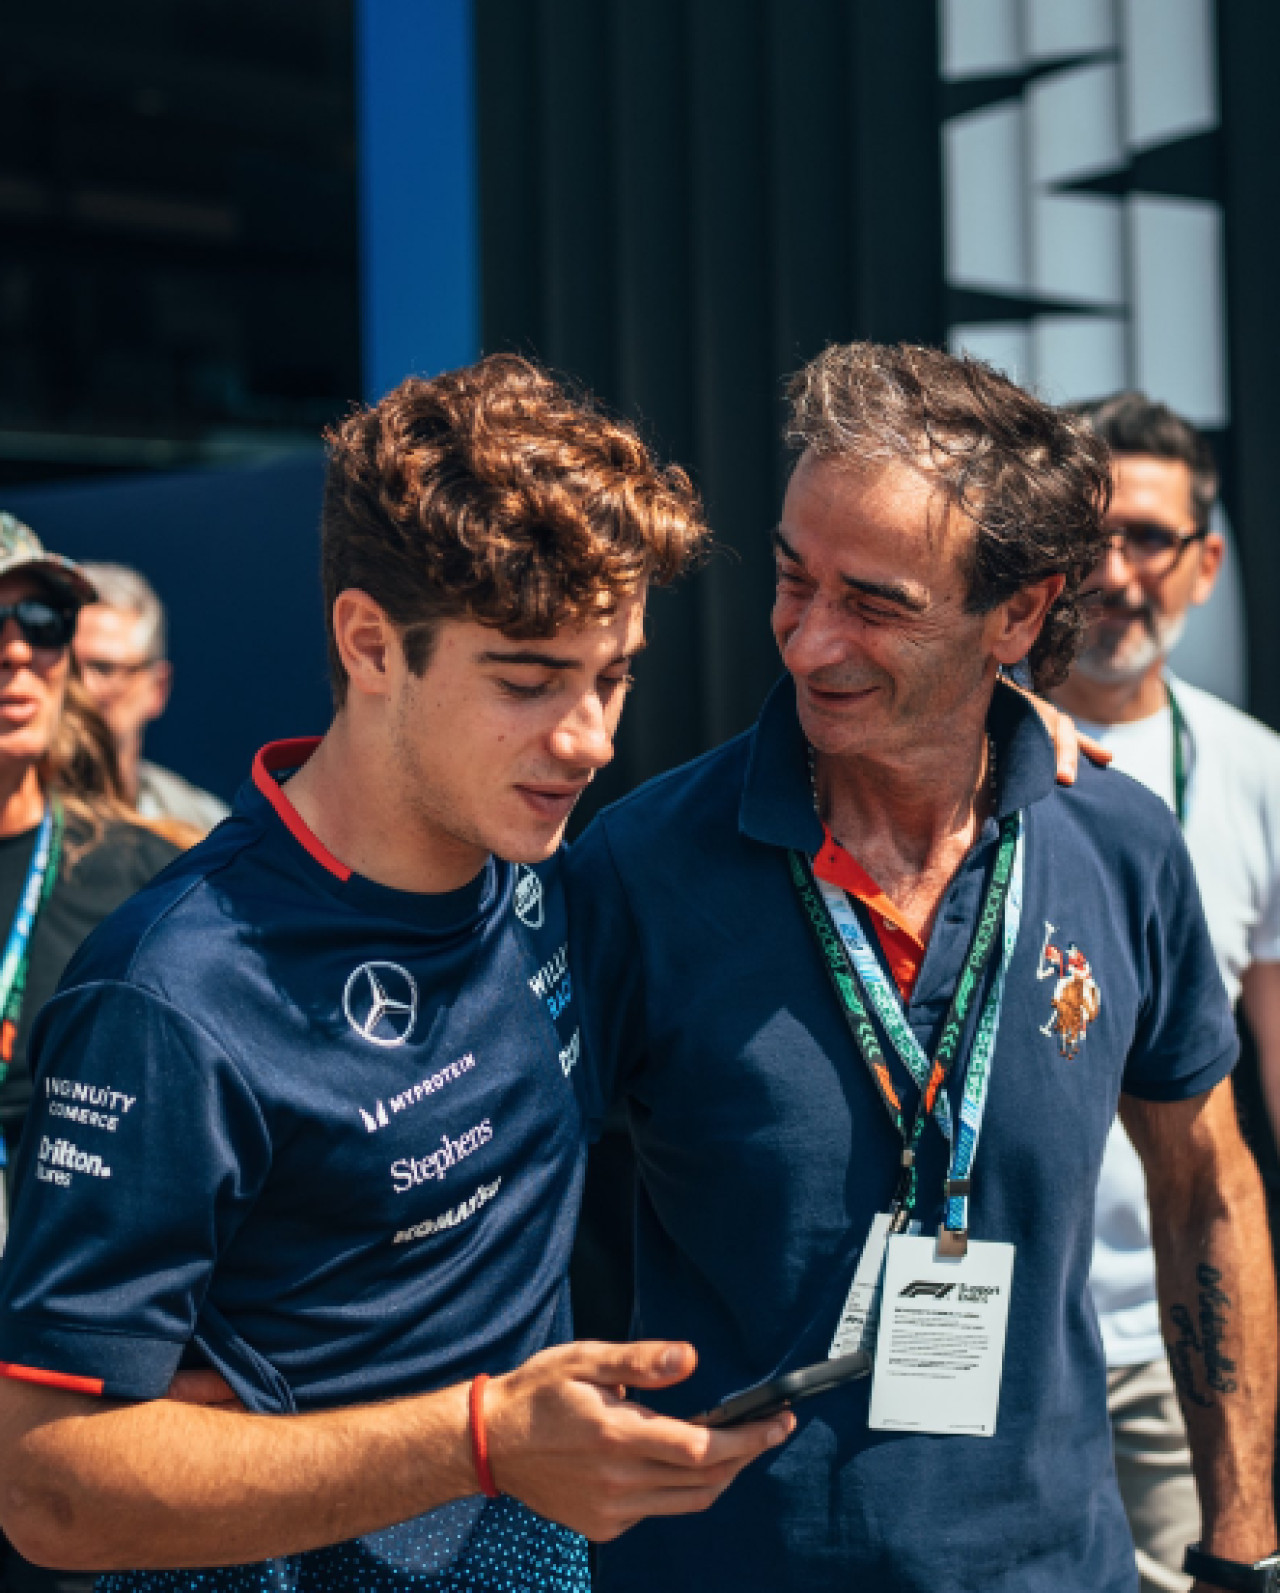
870 984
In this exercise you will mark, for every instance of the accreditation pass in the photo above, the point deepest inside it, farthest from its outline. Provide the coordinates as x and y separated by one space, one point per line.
940 1346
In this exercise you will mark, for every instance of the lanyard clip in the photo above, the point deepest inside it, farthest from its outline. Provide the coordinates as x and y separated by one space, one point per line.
954 1241
902 1201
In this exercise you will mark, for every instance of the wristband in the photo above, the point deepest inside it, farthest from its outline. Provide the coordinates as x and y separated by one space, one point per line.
479 1438
1263 1576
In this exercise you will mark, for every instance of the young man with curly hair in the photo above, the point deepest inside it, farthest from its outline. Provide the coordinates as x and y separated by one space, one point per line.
306 1109
869 967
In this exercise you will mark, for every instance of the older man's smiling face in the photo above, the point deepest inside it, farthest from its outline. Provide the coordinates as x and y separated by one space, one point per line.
870 613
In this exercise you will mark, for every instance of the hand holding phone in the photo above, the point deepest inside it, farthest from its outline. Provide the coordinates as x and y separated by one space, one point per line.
767 1399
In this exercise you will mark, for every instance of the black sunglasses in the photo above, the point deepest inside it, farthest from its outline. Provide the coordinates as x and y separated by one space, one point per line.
41 624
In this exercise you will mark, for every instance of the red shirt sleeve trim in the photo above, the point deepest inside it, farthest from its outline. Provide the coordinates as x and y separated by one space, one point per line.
38 1374
278 755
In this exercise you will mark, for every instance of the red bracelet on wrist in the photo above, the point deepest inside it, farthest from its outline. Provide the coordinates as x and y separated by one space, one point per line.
479 1438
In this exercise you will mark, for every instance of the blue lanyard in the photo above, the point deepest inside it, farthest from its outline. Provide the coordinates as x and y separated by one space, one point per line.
42 871
864 976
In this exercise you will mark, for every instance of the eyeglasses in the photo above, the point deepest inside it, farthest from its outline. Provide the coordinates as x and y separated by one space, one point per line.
41 624
113 671
1152 549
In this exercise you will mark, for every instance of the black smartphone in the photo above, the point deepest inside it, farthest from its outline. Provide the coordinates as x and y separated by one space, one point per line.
767 1399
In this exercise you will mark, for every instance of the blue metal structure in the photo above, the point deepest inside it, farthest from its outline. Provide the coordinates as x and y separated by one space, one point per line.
419 237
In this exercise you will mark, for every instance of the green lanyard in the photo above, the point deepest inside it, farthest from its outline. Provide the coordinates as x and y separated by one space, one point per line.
42 872
855 1003
1180 736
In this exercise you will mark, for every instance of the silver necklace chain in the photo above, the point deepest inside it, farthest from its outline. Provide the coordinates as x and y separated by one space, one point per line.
993 778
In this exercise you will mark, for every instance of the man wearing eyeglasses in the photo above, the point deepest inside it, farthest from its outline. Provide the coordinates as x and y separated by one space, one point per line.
120 648
1219 771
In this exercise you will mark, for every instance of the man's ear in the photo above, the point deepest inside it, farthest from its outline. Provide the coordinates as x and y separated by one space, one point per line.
161 673
365 639
1017 621
1212 552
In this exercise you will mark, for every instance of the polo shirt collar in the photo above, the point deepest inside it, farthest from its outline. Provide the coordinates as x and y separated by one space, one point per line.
1028 765
777 799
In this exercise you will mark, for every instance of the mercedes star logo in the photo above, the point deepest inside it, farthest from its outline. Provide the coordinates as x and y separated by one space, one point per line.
381 1002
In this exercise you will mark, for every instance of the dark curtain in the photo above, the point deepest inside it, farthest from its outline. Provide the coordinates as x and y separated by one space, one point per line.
681 202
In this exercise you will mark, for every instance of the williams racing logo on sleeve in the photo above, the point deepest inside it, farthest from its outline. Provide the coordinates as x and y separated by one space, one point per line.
1076 999
553 984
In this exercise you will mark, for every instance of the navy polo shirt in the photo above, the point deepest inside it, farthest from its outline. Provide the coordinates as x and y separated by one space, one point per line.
320 1135
764 1151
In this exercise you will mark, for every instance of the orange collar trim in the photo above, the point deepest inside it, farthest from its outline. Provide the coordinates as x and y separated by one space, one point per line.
903 948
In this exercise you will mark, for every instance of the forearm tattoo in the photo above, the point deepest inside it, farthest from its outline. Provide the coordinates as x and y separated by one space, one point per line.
1197 1358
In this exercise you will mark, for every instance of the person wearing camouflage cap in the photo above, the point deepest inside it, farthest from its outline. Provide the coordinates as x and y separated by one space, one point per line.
22 550
68 855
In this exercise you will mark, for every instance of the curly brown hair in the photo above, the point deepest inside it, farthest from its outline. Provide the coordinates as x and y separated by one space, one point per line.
1034 480
494 493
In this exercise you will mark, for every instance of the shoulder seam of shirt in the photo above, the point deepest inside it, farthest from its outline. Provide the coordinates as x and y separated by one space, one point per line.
145 991
200 879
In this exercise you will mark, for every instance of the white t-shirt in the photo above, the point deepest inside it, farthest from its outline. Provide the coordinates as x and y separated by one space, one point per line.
1233 835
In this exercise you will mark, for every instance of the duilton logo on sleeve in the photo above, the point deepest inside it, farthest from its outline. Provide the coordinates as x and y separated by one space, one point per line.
1076 1000
59 1159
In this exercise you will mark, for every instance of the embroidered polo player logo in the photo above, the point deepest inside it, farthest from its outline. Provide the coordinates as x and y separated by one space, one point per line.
1076 998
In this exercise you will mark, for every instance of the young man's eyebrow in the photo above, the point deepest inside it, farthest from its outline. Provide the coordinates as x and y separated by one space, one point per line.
884 591
517 656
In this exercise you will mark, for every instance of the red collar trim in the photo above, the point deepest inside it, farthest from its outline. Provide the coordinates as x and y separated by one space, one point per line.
278 755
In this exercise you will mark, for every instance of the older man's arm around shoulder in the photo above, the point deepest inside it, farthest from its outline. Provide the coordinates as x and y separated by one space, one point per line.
1218 1307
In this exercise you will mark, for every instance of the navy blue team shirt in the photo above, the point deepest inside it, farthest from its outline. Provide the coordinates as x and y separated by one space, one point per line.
320 1135
764 1151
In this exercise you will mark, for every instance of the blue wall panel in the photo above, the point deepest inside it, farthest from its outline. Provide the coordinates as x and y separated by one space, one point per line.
234 555
418 213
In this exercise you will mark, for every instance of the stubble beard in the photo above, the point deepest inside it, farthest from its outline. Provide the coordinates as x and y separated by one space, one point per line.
437 819
1115 662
